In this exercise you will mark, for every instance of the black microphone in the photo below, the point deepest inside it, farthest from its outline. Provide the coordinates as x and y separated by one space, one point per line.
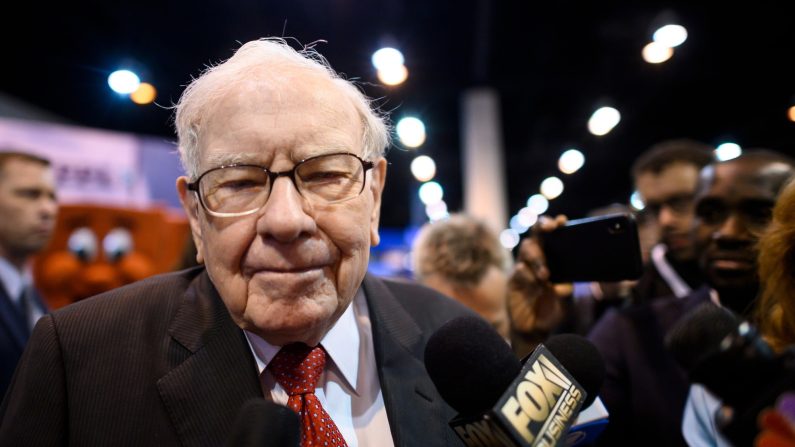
729 357
699 333
502 402
263 423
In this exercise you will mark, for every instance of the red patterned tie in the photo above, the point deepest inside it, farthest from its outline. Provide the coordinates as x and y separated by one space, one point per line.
297 368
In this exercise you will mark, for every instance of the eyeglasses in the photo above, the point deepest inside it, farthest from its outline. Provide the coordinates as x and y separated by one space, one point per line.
678 204
238 190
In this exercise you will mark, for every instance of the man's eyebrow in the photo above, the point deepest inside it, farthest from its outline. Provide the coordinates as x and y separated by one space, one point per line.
226 159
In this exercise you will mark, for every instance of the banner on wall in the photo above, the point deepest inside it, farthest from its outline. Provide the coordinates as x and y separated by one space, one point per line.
91 165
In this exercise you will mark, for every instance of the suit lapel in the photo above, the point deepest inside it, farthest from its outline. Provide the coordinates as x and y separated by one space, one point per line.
410 398
213 372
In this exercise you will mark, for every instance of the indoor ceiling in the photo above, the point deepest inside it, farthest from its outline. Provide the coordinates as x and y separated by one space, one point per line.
552 64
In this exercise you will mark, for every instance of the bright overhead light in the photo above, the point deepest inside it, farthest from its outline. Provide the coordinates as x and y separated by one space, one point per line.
791 113
656 53
603 121
431 192
728 151
386 58
551 187
527 216
423 168
636 201
670 35
538 204
123 81
437 211
517 225
571 161
393 75
509 238
144 94
411 132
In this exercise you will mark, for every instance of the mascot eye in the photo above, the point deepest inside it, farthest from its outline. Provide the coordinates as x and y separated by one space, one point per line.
117 243
83 244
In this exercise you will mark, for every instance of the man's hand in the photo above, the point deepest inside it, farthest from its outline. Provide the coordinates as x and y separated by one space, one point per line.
534 303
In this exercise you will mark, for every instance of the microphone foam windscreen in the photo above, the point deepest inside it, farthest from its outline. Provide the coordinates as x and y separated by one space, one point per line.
470 364
699 333
261 422
582 360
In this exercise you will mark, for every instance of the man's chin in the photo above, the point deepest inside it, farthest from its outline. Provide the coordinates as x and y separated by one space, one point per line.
729 279
677 248
308 329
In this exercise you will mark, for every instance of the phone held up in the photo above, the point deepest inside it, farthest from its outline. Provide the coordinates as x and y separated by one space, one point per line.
603 248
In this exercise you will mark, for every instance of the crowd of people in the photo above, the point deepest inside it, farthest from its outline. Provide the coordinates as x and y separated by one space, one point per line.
285 167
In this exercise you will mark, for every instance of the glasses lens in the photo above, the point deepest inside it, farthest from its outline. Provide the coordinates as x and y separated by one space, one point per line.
331 178
681 204
235 189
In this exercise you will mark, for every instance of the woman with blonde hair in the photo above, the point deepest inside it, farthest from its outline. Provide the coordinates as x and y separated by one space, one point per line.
776 309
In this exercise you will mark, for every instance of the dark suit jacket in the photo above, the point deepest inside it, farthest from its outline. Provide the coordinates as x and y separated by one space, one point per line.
14 333
160 362
644 389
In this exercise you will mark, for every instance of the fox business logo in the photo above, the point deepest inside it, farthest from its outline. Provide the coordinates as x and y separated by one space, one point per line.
544 404
482 433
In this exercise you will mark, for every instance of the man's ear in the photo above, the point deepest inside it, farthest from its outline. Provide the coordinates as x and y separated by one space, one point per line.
190 203
377 189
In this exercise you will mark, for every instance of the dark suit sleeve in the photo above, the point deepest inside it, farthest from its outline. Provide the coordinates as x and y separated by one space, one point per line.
34 409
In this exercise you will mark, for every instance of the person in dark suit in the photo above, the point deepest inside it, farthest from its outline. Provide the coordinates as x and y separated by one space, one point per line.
27 219
285 170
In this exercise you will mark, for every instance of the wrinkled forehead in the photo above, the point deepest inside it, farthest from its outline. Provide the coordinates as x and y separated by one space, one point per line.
293 109
269 91
749 179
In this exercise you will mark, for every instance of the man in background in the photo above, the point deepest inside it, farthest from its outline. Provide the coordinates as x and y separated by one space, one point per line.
27 219
645 389
463 258
665 176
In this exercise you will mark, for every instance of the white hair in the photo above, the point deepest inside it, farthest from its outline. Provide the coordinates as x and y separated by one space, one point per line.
271 54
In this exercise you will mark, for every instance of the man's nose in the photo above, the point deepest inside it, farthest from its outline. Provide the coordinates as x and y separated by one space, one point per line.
732 228
48 207
285 216
666 217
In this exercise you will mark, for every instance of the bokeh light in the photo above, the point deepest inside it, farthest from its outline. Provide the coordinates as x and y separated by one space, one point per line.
603 120
423 168
123 81
571 161
411 132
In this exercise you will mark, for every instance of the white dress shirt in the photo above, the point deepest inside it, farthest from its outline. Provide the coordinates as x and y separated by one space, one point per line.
349 388
14 281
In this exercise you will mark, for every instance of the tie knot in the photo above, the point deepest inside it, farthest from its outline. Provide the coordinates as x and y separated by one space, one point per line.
297 367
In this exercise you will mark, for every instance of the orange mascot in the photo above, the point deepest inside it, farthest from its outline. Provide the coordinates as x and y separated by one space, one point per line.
98 248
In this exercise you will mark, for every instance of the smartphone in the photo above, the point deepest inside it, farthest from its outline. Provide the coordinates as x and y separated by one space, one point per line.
603 248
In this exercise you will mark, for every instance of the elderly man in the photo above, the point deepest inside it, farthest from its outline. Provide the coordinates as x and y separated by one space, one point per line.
27 220
285 173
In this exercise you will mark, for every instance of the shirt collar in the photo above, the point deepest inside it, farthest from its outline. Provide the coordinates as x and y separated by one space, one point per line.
341 343
13 279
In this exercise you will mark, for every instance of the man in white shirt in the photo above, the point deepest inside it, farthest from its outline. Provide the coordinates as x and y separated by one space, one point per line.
27 220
